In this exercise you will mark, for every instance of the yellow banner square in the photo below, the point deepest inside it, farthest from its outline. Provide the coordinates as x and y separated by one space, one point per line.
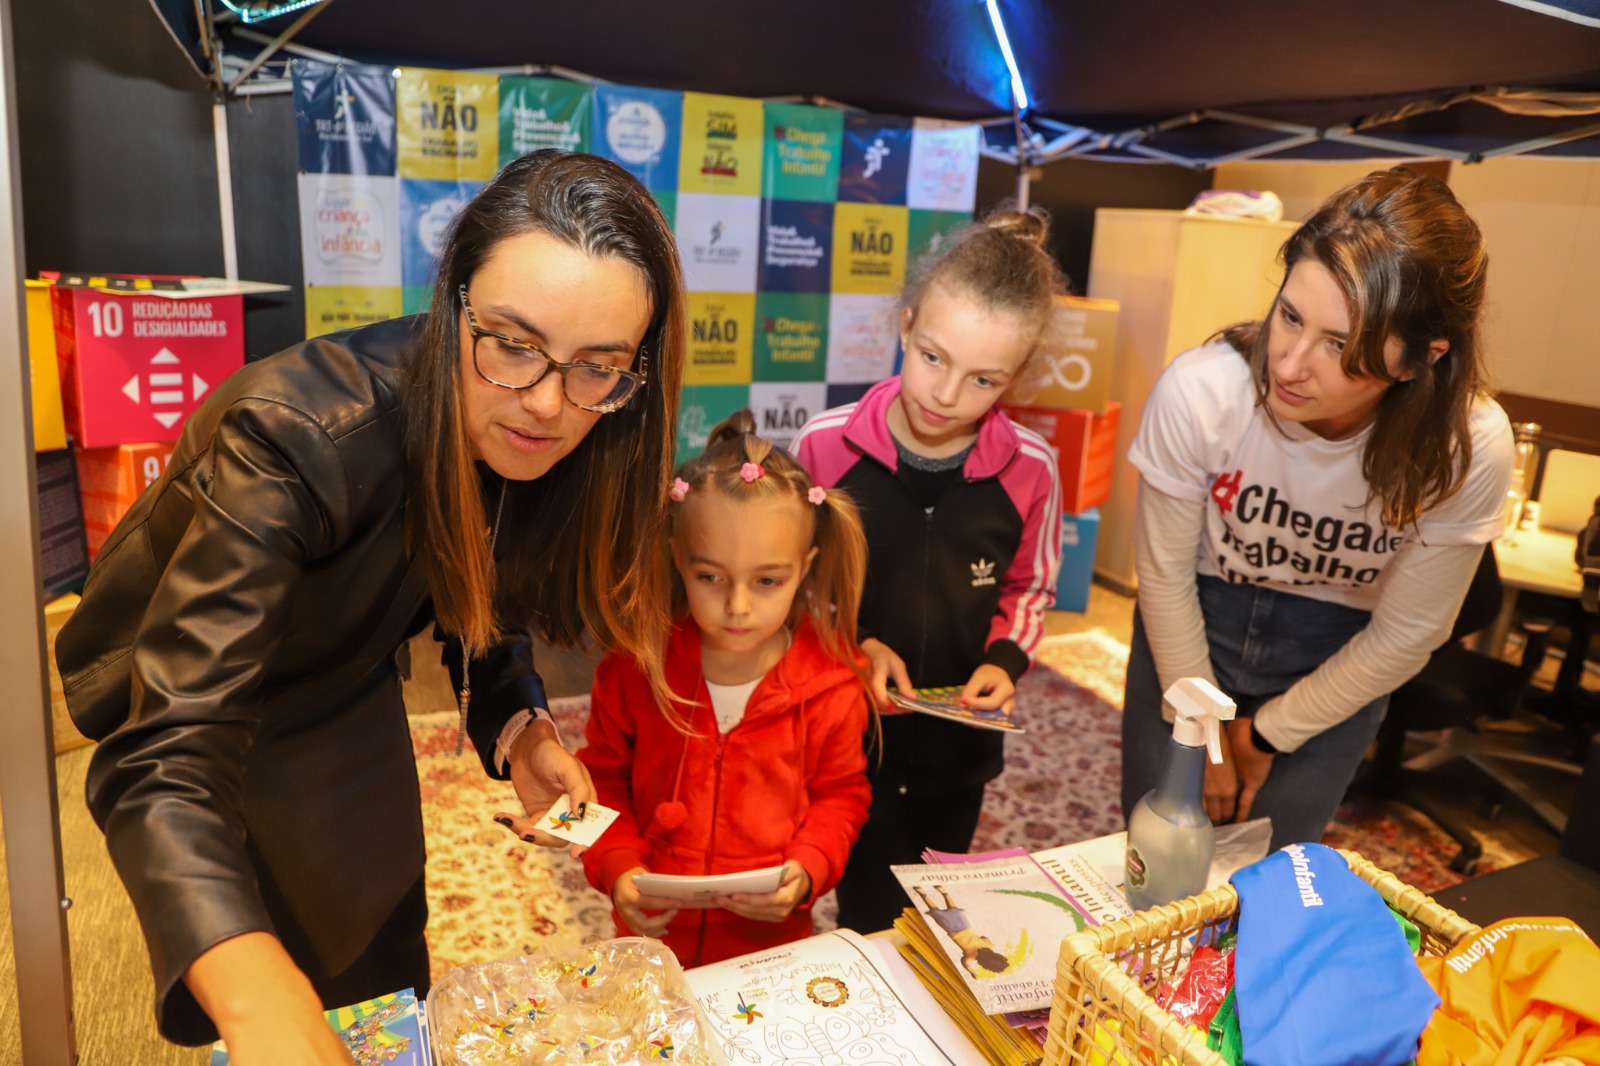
330 308
721 330
869 248
722 144
448 124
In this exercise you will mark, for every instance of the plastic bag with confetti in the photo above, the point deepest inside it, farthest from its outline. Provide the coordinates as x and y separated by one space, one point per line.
615 1003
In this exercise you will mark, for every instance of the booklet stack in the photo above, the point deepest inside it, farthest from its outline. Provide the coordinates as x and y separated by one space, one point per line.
984 934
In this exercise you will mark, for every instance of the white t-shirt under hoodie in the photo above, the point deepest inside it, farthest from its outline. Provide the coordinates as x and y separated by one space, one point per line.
1278 505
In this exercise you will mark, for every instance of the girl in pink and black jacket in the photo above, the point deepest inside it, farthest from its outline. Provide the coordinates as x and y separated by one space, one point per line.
962 510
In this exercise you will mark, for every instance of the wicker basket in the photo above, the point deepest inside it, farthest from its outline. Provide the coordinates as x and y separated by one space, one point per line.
1101 1016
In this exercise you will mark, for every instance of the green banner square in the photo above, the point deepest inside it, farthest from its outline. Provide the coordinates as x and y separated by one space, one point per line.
668 199
929 232
791 337
416 299
543 113
801 152
702 407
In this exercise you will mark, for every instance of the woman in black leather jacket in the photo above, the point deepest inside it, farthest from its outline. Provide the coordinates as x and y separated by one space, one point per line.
496 467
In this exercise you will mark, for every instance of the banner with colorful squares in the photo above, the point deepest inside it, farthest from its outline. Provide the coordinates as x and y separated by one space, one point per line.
796 224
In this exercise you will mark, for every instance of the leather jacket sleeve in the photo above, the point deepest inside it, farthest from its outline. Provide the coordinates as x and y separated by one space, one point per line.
167 785
504 682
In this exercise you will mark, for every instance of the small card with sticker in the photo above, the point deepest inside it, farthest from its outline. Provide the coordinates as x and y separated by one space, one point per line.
578 827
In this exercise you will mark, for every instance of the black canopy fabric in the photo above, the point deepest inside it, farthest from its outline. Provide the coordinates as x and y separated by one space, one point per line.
1135 79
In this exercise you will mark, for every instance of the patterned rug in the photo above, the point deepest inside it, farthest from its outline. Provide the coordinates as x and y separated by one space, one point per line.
491 895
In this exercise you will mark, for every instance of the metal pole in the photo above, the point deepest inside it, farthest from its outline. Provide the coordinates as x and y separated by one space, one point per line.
230 240
219 135
27 745
1024 174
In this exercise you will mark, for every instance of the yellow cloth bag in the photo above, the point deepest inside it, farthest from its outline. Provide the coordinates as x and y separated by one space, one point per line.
1521 991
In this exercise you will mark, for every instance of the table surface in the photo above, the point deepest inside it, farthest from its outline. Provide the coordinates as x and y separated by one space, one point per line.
1539 560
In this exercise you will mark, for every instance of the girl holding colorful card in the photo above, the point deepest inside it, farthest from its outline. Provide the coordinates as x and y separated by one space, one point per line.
963 518
756 761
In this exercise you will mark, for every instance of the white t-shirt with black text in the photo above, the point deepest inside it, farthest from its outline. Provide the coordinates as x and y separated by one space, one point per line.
1285 507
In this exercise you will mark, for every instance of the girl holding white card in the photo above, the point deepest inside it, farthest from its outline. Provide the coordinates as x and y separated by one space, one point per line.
757 761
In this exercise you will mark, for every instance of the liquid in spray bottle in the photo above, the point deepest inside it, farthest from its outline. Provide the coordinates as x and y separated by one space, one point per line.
1170 840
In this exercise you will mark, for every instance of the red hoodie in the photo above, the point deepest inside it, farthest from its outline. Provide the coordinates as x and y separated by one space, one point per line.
787 782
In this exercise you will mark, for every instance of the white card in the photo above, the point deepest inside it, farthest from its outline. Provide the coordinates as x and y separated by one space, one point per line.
702 889
563 822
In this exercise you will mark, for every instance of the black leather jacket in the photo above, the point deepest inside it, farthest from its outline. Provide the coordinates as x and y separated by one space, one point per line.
236 653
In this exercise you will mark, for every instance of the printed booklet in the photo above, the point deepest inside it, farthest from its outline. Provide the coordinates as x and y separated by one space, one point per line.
699 891
387 1031
946 703
999 924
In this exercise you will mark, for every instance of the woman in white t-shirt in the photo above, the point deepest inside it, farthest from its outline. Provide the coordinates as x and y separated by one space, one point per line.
1315 492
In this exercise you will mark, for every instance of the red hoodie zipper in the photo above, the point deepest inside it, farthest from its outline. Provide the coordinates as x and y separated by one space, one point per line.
711 844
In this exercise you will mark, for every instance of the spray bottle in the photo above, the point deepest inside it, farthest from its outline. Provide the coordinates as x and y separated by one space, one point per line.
1170 840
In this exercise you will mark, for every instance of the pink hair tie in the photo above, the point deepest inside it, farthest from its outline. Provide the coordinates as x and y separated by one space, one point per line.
680 489
816 494
751 471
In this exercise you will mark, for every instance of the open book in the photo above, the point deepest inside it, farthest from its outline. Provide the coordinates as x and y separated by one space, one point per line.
838 997
946 703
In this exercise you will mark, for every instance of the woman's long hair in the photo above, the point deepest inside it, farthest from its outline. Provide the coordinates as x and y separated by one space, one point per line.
1411 264
574 546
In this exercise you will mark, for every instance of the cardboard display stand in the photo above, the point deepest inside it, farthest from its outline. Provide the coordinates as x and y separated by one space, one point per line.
1085 444
49 430
110 479
1072 368
135 364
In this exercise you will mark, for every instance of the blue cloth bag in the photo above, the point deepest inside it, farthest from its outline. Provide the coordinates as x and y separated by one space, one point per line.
1322 971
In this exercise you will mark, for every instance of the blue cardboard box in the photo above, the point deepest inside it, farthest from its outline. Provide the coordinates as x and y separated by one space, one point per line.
1078 533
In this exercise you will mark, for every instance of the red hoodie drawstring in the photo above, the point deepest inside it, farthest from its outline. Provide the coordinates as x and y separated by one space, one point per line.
672 814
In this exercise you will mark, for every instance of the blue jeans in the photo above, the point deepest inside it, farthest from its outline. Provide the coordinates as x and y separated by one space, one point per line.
1262 641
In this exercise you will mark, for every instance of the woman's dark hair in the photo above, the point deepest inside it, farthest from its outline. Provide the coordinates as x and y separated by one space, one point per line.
574 545
1411 264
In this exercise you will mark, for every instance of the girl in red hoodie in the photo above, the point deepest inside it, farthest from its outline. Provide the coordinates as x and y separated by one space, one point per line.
756 760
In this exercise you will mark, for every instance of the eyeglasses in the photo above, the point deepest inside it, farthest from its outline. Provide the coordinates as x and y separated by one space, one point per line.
511 364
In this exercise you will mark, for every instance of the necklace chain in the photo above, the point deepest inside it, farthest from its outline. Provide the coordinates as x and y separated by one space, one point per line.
464 697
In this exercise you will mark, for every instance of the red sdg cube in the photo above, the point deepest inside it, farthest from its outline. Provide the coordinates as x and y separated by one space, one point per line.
133 365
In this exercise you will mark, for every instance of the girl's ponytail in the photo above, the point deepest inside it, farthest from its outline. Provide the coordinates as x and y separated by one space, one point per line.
838 573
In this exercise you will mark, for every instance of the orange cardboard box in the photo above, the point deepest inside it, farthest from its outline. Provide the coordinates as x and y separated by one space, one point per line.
1072 368
49 427
110 479
1086 447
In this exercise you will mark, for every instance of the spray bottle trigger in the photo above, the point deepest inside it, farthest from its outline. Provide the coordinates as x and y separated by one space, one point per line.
1213 739
1198 706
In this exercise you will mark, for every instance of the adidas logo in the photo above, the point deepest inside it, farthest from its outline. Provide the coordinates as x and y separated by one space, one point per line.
982 573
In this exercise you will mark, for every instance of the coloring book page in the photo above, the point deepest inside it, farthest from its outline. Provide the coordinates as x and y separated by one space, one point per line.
833 1000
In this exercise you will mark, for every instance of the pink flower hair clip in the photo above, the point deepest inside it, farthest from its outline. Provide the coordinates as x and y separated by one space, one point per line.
816 494
750 471
680 489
